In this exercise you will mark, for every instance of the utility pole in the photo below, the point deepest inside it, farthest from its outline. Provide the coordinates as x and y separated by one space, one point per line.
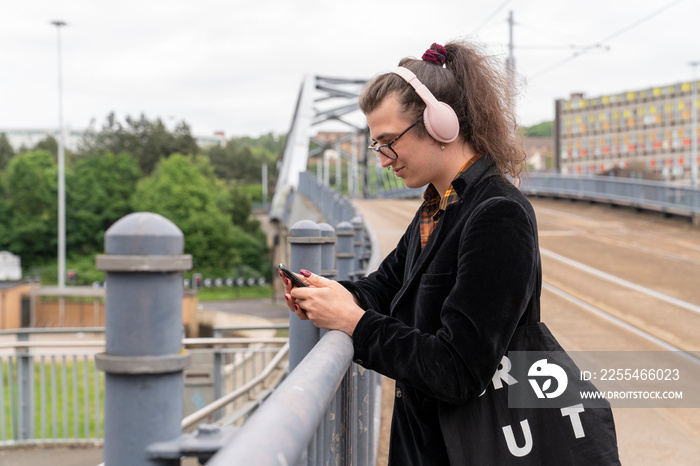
694 129
264 185
510 61
61 169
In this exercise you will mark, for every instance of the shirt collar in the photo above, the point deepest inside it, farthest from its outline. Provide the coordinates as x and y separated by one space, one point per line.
431 192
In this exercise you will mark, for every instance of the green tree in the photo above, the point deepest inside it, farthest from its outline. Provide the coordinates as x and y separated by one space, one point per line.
183 190
48 144
101 187
543 129
148 141
6 151
274 144
31 207
241 159
240 206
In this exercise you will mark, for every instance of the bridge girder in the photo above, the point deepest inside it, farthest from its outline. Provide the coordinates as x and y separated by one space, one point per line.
321 100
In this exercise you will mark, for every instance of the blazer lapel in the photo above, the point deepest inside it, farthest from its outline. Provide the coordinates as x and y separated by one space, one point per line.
418 258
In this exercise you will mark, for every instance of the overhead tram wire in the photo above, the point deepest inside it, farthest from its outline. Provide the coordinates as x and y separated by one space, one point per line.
490 17
601 42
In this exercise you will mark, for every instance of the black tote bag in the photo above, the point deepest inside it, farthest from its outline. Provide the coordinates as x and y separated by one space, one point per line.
485 431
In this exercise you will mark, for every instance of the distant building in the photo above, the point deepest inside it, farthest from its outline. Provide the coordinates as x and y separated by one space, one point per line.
637 133
218 139
10 266
540 152
350 143
29 137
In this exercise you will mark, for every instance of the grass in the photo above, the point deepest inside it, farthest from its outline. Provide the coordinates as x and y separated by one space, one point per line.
65 414
232 293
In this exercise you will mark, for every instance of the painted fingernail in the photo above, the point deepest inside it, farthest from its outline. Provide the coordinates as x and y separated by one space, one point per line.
286 281
287 297
296 307
305 273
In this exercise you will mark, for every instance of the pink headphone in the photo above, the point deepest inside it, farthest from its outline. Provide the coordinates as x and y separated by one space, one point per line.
439 118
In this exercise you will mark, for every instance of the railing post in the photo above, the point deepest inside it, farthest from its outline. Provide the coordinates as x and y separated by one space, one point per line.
363 396
144 360
25 390
328 269
344 252
305 253
357 225
324 433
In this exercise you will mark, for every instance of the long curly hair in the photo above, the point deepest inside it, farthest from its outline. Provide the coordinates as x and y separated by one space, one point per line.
476 86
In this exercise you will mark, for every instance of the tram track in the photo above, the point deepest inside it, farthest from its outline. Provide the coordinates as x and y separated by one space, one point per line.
650 286
666 318
621 323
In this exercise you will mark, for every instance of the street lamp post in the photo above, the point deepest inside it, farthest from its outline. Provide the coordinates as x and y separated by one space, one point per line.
61 169
694 129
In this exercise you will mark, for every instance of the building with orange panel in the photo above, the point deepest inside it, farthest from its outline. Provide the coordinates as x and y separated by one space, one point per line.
646 133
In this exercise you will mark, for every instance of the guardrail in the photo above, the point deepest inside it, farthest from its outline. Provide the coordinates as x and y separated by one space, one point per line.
338 210
51 391
643 194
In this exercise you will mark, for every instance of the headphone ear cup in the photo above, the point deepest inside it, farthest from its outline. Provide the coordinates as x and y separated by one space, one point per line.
441 122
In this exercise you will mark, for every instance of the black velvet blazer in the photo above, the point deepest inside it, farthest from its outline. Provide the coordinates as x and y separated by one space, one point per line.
439 320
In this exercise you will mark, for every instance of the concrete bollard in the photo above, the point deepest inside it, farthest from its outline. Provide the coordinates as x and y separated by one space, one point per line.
323 434
344 250
305 253
328 251
357 224
144 360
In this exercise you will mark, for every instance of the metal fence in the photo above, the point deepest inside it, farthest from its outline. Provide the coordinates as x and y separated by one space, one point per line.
644 194
51 391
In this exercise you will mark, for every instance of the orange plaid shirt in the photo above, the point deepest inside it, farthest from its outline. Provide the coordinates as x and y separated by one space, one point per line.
433 206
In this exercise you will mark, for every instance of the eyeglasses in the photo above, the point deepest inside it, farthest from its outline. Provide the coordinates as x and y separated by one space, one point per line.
385 149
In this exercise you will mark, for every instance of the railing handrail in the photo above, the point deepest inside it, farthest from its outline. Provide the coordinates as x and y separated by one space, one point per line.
236 328
51 330
211 408
293 411
646 194
186 342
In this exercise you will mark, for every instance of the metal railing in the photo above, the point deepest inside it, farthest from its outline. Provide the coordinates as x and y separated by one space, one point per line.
289 427
644 194
51 391
252 388
338 210
327 410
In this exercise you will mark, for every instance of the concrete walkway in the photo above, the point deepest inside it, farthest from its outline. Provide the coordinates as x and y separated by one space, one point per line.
89 455
76 455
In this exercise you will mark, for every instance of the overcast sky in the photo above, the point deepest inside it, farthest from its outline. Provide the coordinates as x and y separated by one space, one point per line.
236 66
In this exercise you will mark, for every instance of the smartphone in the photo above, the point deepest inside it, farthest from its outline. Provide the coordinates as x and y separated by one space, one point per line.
296 281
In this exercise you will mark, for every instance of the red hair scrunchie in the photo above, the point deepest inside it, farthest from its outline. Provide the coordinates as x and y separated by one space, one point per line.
436 57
